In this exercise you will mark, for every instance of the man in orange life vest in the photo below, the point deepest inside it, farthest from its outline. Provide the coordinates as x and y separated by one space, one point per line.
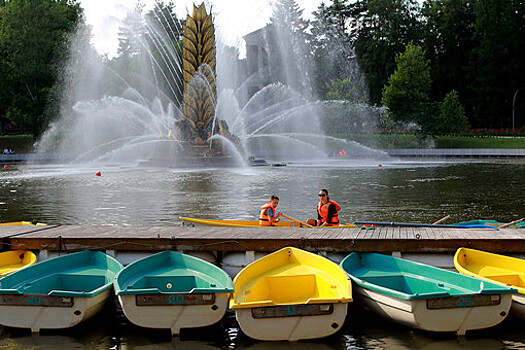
327 211
267 215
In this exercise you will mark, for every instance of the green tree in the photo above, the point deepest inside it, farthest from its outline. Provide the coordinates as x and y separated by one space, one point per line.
407 91
334 55
165 39
341 89
6 86
150 45
33 35
380 29
288 47
452 114
448 43
496 68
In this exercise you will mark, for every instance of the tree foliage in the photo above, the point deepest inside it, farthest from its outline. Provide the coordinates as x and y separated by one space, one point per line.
342 89
452 114
289 47
380 29
333 51
33 37
152 40
407 91
465 53
474 47
448 43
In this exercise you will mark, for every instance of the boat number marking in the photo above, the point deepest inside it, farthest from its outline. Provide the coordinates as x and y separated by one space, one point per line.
291 310
464 301
33 300
175 299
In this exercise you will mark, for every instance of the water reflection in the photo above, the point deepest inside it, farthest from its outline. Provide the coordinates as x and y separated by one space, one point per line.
362 330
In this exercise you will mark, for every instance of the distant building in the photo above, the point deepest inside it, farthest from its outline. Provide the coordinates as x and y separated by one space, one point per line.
257 62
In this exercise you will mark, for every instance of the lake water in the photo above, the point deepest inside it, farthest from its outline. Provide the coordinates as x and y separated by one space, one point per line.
367 190
409 191
362 330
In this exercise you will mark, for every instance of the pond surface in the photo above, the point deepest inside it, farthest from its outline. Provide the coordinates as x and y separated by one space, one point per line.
367 191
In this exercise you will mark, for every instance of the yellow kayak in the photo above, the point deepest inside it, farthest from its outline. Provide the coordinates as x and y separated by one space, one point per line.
15 260
245 223
501 269
290 295
20 223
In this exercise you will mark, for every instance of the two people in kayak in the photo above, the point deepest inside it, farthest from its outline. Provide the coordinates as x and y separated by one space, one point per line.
327 212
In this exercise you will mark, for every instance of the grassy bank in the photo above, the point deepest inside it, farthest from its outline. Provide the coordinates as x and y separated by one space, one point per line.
18 143
389 141
24 143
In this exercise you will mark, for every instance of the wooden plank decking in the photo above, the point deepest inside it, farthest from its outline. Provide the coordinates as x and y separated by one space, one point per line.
382 239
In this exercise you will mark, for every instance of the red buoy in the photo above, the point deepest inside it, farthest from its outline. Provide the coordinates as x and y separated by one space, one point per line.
380 165
6 167
98 174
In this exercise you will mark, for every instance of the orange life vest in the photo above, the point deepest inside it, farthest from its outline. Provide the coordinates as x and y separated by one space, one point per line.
264 219
323 212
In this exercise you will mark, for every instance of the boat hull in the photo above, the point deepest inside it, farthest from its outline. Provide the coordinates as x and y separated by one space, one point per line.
15 260
415 314
174 317
172 290
496 268
291 295
291 328
37 317
245 223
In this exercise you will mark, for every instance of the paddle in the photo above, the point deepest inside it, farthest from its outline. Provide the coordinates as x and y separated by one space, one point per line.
511 223
441 220
299 221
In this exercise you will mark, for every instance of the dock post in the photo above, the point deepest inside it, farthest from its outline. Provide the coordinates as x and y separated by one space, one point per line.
249 257
43 254
396 254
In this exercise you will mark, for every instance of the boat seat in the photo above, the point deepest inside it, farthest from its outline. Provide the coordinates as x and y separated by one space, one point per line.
408 284
287 289
172 284
509 279
9 268
376 273
65 282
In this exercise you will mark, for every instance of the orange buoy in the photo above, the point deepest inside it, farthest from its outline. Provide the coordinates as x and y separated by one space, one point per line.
98 174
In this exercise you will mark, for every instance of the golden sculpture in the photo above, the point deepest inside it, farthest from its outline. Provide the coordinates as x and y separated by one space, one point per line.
198 124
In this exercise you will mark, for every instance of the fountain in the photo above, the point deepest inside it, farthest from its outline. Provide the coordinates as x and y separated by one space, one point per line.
199 137
118 116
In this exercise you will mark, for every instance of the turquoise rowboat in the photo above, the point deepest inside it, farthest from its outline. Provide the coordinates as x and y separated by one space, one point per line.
57 293
426 297
171 290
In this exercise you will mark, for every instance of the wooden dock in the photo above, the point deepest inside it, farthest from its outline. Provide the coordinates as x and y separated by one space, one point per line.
382 239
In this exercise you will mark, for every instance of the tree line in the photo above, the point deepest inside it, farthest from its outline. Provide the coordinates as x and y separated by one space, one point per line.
33 45
442 64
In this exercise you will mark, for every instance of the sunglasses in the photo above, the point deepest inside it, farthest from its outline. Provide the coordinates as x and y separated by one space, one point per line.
322 195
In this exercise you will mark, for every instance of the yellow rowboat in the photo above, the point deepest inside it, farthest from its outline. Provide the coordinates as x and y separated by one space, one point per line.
15 260
245 223
501 269
291 295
